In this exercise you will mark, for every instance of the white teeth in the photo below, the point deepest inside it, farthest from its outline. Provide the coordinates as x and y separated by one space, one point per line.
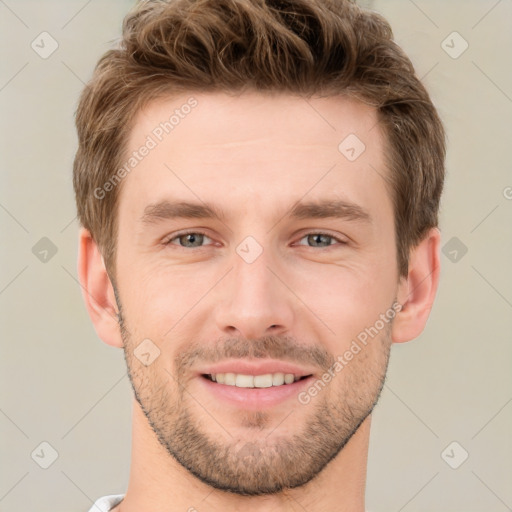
288 378
254 381
230 379
244 381
263 381
278 379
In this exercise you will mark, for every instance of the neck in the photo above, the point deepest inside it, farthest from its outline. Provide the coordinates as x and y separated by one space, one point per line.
158 482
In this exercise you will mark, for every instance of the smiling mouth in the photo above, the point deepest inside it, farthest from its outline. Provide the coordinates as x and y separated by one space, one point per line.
266 380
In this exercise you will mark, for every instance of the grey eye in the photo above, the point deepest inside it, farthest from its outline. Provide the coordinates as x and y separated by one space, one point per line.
189 240
318 240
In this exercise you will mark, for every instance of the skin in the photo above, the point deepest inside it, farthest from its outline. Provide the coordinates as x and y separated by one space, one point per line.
303 299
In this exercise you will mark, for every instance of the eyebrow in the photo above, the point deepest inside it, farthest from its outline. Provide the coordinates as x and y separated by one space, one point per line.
340 209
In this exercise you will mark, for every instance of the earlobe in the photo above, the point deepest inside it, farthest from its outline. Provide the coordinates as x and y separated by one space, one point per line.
417 292
97 290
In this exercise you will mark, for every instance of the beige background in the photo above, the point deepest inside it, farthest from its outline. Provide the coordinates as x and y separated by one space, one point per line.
61 385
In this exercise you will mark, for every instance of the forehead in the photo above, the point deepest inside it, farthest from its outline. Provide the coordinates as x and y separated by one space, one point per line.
222 118
259 145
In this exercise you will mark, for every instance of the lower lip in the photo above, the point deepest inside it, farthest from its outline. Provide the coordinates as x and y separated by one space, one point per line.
255 398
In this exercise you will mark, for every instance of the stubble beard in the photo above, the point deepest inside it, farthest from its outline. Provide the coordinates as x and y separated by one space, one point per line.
269 463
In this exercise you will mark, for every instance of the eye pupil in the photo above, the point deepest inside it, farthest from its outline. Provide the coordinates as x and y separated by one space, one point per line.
317 238
194 239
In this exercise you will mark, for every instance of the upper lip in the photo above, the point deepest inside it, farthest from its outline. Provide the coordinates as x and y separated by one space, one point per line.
255 367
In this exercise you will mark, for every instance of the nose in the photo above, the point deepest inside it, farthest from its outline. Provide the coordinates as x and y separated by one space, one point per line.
254 302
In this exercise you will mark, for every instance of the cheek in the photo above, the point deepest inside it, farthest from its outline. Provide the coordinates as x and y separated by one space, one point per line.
161 298
345 298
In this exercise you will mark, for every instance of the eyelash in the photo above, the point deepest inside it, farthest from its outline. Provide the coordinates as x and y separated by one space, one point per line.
196 232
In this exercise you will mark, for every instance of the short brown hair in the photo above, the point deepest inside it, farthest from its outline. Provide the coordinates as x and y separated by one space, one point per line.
304 47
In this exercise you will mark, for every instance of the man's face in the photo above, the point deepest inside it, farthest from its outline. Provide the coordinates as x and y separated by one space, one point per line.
271 287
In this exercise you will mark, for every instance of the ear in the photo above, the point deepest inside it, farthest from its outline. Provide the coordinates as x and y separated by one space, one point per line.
417 291
97 290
